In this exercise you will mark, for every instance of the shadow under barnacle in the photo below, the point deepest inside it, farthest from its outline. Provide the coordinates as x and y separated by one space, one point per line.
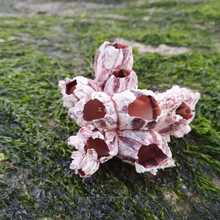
134 181
124 173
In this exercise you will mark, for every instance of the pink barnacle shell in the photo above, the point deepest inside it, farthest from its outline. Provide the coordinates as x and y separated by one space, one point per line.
136 109
119 81
111 58
97 110
92 149
177 105
75 89
144 149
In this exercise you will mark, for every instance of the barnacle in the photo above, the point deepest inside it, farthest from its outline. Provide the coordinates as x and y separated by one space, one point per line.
113 67
92 148
137 109
178 110
117 119
146 149
97 110
75 89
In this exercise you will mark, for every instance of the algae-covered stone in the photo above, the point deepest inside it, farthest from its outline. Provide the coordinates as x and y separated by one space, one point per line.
35 180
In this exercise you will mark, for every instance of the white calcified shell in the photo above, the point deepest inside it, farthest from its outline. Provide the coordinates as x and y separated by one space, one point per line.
108 122
83 89
117 119
171 123
84 164
130 143
123 100
86 160
117 84
110 58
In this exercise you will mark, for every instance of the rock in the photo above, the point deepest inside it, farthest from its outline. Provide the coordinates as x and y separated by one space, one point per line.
60 8
162 49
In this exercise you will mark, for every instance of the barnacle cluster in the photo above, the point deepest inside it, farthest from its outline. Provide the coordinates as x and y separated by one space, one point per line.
118 119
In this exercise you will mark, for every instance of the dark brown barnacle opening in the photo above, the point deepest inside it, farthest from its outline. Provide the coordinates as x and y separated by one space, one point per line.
144 107
121 73
151 124
150 155
156 108
137 123
93 109
70 87
120 45
81 172
98 145
185 111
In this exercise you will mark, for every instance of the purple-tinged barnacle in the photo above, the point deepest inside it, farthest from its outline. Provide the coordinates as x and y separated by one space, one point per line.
177 111
92 149
98 110
117 119
75 89
147 150
113 67
136 109
120 81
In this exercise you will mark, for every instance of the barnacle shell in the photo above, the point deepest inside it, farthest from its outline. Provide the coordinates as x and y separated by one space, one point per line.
92 148
98 110
145 149
113 59
120 81
136 109
177 111
75 89
117 119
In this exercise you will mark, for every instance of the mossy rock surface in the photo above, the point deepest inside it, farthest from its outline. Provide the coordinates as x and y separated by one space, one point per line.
37 50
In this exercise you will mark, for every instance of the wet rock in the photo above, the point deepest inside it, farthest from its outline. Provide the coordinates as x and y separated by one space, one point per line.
162 49
61 8
177 203
216 181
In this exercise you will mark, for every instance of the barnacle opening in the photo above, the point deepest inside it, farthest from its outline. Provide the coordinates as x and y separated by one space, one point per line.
137 123
121 73
81 172
70 87
150 155
144 107
98 145
93 109
185 111
120 45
